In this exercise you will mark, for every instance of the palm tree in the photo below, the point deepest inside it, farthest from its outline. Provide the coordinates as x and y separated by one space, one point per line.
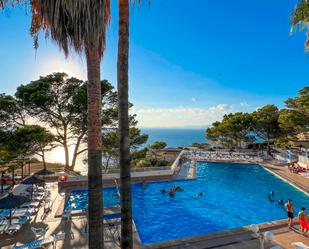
81 25
124 140
300 18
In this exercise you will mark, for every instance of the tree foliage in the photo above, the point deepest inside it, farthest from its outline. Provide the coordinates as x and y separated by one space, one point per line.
12 112
300 18
110 145
158 145
265 123
24 141
60 103
295 118
234 130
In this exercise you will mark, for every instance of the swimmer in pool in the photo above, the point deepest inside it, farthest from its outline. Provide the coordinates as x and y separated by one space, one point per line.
178 188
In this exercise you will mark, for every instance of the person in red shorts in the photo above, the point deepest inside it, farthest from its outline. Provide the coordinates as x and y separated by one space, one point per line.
303 220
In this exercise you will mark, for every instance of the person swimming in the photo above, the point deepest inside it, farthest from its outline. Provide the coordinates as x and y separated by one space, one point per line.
270 196
172 192
280 201
163 191
200 194
178 188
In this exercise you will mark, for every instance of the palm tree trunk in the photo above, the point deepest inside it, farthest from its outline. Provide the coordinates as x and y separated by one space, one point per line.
95 203
122 77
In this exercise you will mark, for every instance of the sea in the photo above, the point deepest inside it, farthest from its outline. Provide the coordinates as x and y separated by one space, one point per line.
175 137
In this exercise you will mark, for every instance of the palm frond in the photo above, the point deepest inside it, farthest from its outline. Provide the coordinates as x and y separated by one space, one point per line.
300 19
71 23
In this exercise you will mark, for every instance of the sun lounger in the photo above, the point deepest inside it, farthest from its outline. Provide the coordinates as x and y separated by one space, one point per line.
299 245
37 198
2 229
31 204
21 221
17 213
36 244
39 232
23 212
12 228
112 226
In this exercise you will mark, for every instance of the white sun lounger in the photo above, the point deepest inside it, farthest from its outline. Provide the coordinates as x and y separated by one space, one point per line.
12 228
299 245
23 212
6 222
36 243
40 243
31 204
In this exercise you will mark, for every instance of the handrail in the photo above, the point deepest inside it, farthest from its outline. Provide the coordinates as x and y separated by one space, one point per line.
117 188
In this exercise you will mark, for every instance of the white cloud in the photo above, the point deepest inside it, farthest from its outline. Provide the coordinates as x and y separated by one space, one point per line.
180 116
244 104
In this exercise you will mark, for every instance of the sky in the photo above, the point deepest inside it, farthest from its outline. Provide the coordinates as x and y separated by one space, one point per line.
191 62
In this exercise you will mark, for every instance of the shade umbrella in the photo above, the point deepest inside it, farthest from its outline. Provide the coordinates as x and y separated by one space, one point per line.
32 180
11 201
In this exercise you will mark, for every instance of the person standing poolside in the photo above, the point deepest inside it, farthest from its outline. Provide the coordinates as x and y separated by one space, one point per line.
303 220
290 212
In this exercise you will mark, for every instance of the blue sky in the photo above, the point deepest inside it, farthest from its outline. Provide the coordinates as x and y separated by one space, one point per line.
190 61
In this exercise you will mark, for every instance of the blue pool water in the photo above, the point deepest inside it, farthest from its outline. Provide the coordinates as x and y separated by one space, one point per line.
234 195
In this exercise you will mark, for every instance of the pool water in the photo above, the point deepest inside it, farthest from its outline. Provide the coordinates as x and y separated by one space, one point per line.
78 199
234 195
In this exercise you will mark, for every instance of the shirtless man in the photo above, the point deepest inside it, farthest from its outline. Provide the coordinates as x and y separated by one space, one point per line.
290 212
303 220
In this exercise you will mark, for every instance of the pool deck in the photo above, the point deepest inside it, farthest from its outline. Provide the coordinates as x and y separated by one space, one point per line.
241 238
283 172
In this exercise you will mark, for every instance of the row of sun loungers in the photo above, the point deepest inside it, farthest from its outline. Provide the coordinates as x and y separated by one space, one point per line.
42 242
11 221
224 156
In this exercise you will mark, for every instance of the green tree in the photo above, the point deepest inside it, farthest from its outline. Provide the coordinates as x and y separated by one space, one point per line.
111 145
60 103
300 18
158 145
12 112
266 124
82 25
233 131
295 118
25 141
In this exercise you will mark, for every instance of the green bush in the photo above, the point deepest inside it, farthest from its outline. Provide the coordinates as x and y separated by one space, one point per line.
143 163
34 160
163 163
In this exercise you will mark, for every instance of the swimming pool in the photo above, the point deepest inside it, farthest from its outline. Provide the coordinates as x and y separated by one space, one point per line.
234 195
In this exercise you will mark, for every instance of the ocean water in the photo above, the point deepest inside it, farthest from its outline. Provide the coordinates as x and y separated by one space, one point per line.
175 137
234 195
